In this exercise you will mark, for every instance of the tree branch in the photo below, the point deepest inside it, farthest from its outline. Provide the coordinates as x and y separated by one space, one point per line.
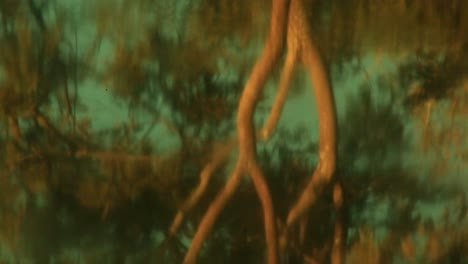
245 125
212 213
246 133
310 57
280 98
219 155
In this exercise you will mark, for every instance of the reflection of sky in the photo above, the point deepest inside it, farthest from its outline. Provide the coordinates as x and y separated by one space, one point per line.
101 108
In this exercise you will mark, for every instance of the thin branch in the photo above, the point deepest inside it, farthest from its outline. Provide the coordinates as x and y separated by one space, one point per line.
161 119
212 213
280 98
219 155
263 192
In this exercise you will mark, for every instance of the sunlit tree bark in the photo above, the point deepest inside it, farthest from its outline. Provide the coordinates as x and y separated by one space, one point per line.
301 42
301 48
247 162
